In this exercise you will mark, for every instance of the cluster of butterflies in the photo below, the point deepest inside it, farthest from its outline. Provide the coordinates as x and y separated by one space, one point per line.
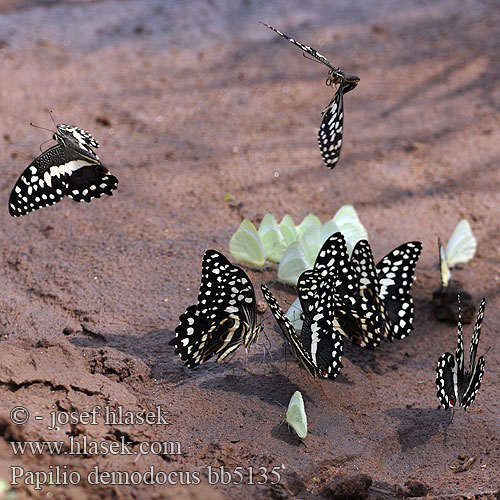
340 297
293 247
456 385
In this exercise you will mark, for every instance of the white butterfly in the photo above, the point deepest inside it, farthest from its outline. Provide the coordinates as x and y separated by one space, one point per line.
459 250
296 415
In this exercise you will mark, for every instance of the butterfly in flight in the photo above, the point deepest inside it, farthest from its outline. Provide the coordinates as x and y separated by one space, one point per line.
223 319
332 123
456 385
69 168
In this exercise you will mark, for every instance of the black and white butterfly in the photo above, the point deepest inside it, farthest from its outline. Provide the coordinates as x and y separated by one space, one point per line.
332 124
456 385
391 285
223 319
321 292
69 168
357 319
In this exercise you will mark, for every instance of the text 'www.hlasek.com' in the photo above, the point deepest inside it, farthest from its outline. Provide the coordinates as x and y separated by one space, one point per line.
84 446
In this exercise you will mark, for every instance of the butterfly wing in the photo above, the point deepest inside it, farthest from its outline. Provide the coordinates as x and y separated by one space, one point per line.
309 50
475 336
81 137
319 336
296 415
462 245
198 337
474 384
445 380
224 317
89 182
331 129
289 332
226 286
39 186
246 247
396 273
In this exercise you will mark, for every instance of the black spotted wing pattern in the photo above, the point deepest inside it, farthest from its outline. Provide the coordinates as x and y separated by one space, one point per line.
70 168
331 128
223 319
318 347
357 319
457 386
80 136
395 276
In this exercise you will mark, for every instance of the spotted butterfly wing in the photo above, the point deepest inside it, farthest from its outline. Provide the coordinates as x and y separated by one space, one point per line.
70 168
80 136
318 347
357 319
331 128
223 319
457 386
395 276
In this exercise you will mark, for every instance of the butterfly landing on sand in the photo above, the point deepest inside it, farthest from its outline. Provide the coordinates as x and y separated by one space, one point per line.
223 319
69 168
456 385
332 124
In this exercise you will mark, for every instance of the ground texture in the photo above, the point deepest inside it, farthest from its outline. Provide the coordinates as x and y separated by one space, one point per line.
193 100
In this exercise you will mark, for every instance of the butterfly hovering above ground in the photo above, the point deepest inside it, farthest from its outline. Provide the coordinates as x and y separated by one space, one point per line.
332 123
224 317
69 168
456 385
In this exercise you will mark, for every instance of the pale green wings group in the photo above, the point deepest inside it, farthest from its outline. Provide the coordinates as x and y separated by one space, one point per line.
294 247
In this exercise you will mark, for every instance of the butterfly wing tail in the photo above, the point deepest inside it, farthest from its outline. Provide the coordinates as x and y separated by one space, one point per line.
444 380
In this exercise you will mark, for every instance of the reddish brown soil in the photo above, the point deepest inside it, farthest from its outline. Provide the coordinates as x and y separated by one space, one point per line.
188 102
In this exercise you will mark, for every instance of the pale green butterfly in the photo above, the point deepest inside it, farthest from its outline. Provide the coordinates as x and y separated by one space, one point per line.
288 231
255 248
272 240
246 246
296 415
308 221
460 249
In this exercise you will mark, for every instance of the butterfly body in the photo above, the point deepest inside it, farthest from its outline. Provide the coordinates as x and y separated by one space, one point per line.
223 319
69 168
331 129
457 385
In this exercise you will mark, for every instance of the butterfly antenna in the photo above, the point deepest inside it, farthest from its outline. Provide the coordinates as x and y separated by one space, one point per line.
42 128
52 116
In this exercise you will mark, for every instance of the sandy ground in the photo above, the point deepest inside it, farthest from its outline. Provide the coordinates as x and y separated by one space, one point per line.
190 100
